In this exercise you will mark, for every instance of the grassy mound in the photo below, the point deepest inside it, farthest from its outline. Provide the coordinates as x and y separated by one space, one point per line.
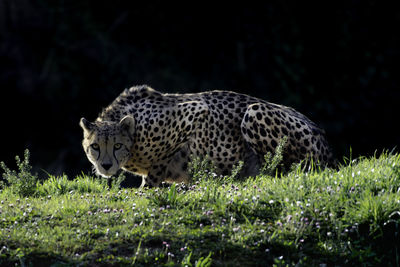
346 216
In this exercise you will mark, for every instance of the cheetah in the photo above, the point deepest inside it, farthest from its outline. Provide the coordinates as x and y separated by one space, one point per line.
154 135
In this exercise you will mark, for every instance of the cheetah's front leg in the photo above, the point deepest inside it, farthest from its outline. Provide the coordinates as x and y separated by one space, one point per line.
171 170
156 174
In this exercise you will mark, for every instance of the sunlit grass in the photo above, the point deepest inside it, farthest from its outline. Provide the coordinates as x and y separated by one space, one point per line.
345 216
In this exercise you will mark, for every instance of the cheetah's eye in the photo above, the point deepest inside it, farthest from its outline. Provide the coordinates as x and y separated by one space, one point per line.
95 146
117 146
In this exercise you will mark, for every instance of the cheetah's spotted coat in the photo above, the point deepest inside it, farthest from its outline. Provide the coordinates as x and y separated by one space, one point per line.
153 134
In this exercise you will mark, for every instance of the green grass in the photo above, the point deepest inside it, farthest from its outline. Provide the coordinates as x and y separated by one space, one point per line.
334 217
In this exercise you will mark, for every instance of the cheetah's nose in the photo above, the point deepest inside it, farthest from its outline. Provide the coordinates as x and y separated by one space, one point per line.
106 166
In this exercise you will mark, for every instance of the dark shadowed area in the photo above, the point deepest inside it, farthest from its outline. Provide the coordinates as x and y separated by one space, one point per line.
60 60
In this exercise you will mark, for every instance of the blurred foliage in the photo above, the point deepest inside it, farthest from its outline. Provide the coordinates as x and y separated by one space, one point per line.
60 60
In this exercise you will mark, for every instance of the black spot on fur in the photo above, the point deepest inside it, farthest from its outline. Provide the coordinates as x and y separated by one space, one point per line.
263 133
297 135
273 143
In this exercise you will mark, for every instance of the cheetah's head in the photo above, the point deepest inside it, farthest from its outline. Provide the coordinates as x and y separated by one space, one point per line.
108 144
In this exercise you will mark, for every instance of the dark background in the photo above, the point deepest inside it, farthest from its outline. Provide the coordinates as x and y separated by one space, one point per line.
60 60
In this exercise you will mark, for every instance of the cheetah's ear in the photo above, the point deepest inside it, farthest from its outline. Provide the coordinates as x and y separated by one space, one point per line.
86 125
128 123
